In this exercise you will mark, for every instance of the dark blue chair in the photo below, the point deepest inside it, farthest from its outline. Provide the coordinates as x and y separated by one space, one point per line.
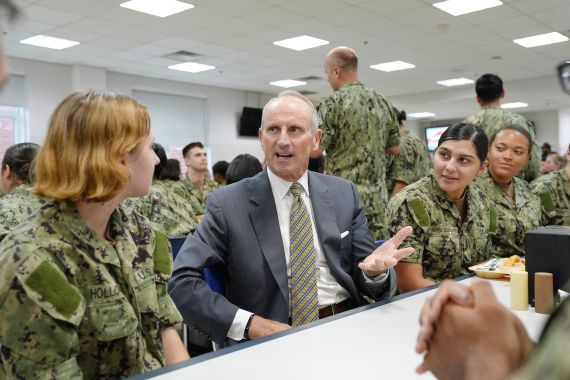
212 275
378 243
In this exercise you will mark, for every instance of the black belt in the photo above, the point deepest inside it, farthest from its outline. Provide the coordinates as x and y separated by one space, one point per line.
340 307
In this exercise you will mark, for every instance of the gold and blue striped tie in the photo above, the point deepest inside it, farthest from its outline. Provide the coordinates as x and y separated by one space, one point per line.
304 293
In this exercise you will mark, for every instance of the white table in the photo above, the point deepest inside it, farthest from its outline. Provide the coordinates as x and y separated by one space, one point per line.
372 342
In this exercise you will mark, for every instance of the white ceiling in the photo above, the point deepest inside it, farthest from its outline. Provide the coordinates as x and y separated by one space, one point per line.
236 36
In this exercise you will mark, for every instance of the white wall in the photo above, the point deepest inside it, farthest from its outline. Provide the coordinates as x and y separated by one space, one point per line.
564 131
47 84
546 124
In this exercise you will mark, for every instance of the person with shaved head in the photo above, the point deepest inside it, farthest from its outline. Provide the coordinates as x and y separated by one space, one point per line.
360 129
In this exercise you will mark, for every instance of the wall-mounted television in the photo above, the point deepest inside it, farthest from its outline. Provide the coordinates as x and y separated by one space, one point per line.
432 136
250 121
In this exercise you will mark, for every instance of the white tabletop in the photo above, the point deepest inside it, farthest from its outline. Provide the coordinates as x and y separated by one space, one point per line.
372 343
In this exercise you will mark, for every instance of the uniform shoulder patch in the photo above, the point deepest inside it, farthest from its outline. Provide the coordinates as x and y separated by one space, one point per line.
55 289
546 201
419 212
162 253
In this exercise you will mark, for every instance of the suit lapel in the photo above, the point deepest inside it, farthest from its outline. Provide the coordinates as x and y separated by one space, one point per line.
266 224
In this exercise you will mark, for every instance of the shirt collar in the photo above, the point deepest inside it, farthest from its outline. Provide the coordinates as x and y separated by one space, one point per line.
280 187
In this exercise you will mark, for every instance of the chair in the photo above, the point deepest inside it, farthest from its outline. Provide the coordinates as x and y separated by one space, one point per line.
378 243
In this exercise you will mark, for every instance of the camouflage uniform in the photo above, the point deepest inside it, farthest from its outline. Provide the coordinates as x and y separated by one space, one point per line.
411 164
491 119
554 192
445 246
195 197
549 359
358 125
167 211
75 305
2 193
18 206
514 218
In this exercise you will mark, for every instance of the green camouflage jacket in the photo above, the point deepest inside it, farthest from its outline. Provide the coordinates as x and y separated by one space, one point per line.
514 219
549 359
192 195
554 192
444 245
18 206
411 164
75 305
358 125
491 119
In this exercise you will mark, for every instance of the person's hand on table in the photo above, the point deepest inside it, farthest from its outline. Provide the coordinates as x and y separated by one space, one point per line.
261 327
387 255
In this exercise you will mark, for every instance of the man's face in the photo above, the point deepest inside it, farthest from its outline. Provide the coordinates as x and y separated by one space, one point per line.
196 159
287 139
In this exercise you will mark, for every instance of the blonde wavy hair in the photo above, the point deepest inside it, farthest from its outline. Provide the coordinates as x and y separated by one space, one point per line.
87 134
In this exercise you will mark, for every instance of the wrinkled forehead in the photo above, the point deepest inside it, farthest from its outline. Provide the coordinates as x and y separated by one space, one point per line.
288 108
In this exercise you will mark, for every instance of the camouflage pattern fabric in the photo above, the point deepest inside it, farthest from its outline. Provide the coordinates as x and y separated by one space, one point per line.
445 245
192 195
358 125
549 359
167 211
491 119
553 190
514 218
75 305
2 193
18 206
411 164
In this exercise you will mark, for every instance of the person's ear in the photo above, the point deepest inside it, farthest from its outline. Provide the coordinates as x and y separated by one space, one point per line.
7 173
318 137
483 167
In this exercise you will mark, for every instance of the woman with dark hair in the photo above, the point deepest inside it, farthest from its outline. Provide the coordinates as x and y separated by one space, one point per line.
243 166
518 209
171 171
83 281
411 164
15 180
451 218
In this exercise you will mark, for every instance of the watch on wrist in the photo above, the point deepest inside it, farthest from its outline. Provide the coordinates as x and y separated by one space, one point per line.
247 326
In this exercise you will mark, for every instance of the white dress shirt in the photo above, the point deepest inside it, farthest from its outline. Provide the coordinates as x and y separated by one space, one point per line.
329 291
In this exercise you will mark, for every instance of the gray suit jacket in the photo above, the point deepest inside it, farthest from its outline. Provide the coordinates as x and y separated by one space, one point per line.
241 232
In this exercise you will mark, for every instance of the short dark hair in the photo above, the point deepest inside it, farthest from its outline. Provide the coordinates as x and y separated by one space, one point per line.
192 145
13 10
318 164
220 167
465 131
161 153
243 166
401 115
489 87
19 158
516 128
172 170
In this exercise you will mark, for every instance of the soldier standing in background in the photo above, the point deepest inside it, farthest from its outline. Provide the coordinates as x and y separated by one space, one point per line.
360 130
411 164
491 117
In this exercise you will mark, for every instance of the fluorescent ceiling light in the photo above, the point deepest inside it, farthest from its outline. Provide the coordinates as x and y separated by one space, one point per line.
49 42
455 82
286 83
301 43
191 67
514 105
160 8
421 115
461 7
541 39
392 66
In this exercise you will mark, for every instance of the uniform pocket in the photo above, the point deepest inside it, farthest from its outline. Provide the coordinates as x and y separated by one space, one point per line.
110 320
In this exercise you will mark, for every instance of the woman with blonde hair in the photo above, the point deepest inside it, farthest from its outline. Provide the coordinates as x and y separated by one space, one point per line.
82 282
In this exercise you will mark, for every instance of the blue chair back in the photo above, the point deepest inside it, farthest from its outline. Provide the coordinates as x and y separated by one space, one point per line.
378 243
214 276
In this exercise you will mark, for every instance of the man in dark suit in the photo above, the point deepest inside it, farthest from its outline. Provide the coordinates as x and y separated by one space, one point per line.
277 276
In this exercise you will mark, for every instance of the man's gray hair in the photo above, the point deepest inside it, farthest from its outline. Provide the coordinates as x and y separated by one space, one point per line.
298 95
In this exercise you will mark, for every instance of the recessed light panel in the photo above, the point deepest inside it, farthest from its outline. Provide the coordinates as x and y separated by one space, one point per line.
455 82
541 39
514 105
461 7
287 83
301 43
191 67
393 66
160 8
49 42
421 115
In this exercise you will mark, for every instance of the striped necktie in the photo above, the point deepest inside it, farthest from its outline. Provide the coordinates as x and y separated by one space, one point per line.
304 295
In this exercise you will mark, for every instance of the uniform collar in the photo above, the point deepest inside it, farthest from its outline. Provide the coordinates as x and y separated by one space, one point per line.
442 199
